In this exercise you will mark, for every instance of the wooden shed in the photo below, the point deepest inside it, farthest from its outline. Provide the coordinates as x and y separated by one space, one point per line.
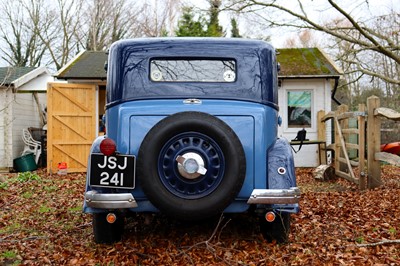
74 110
22 105
307 83
75 107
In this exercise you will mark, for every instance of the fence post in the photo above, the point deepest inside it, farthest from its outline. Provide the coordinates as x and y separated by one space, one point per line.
337 142
321 127
374 143
361 147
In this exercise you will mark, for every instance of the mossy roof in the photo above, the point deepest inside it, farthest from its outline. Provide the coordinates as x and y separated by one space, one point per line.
295 62
87 65
303 62
9 74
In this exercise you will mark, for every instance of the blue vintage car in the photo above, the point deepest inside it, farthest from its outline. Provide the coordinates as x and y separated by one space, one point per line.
191 132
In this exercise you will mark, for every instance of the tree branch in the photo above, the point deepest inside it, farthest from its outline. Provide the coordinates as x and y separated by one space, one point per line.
361 41
383 242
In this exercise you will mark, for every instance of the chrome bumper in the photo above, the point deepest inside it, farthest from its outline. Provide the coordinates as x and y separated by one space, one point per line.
275 196
109 200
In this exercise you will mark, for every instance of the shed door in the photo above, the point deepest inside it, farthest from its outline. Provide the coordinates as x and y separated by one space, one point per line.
71 125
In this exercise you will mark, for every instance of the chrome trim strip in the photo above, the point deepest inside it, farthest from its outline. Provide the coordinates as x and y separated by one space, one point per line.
110 200
275 196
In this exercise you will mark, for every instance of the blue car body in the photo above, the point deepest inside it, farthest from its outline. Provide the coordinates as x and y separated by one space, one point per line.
246 102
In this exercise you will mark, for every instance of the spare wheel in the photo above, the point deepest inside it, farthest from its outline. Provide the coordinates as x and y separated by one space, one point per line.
191 165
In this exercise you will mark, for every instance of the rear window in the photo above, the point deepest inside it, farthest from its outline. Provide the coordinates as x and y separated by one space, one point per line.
193 70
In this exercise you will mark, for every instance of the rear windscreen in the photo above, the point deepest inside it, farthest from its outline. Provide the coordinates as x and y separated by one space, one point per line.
193 70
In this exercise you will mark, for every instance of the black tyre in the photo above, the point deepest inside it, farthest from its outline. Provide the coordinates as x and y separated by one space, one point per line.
104 232
209 142
278 230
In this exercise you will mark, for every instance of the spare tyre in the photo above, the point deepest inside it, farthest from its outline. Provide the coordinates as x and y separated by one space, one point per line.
191 165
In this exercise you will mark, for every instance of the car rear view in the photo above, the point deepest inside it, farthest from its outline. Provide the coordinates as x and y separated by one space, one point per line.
192 133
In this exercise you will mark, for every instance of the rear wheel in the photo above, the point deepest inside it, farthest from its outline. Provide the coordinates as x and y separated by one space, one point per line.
278 230
105 232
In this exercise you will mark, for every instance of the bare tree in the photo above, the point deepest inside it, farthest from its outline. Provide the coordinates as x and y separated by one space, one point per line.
367 69
61 39
361 35
108 21
304 39
36 32
387 25
22 45
56 27
159 18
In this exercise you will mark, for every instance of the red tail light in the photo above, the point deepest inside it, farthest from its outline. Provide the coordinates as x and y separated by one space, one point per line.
111 218
107 146
270 217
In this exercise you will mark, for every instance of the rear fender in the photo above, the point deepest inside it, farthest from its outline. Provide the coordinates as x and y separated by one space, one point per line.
95 148
281 170
96 144
282 175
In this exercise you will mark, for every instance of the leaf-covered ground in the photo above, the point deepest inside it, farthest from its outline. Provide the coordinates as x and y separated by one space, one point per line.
41 224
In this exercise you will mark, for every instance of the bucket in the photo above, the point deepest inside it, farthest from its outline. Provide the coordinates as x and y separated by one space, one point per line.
25 163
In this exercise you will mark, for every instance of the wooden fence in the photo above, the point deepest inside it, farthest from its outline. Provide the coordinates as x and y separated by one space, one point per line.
368 146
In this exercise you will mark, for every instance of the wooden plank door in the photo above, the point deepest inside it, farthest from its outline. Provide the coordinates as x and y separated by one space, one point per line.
71 125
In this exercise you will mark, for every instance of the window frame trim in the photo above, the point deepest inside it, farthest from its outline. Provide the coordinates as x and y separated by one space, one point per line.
194 59
313 126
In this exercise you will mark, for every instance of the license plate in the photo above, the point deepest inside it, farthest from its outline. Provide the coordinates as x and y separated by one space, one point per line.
112 171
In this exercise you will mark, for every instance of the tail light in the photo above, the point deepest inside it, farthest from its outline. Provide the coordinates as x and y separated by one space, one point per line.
111 218
270 217
108 146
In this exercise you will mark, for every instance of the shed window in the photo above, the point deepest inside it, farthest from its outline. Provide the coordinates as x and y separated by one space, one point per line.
299 109
193 70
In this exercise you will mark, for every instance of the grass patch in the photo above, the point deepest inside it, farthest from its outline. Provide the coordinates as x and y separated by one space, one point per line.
3 185
75 209
10 258
6 182
27 195
50 188
10 228
360 239
9 255
27 176
44 209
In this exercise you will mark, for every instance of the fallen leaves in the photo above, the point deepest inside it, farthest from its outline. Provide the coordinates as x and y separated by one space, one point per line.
41 224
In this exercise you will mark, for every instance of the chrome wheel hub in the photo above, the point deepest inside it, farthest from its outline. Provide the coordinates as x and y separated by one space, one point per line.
191 165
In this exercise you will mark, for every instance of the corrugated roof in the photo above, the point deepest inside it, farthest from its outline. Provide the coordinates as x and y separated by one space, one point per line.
88 65
10 74
306 62
294 62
